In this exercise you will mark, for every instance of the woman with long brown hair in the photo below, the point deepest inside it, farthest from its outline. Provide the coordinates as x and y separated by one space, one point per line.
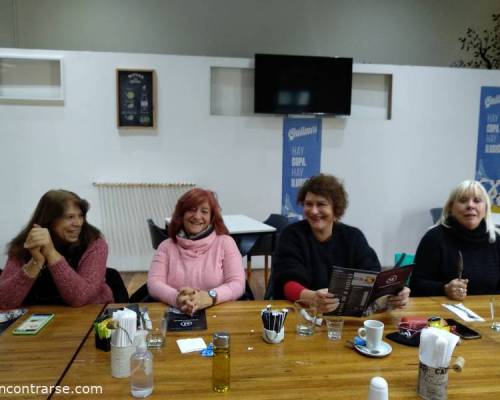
58 258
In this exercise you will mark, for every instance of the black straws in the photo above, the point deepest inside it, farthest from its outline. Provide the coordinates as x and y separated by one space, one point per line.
273 320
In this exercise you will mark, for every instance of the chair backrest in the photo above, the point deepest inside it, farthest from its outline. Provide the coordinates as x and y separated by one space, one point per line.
264 244
248 295
402 259
141 295
278 221
269 293
157 234
115 282
436 214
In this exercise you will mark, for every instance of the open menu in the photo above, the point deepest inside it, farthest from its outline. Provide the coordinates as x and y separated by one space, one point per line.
363 292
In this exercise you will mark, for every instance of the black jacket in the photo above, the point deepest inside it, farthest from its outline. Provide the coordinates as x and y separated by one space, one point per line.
436 260
302 258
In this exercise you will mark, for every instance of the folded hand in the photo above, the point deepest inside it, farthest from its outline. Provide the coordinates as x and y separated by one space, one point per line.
190 300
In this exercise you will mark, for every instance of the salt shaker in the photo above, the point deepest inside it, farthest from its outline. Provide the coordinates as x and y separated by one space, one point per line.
379 390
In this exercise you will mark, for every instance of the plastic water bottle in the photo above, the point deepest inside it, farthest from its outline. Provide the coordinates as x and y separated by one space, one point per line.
141 368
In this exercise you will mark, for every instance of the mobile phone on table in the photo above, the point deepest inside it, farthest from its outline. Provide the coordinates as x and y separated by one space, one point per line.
33 324
463 331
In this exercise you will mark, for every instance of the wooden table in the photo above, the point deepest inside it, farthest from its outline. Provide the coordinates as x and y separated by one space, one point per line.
300 367
41 360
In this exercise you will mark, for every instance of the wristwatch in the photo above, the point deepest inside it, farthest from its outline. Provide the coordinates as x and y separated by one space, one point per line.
213 295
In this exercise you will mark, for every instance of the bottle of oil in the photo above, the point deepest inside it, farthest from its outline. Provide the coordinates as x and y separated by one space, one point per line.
220 363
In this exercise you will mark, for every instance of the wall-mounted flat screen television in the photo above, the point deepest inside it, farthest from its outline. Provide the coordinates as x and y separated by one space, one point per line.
302 85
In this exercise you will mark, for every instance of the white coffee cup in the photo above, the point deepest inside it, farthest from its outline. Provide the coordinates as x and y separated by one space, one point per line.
372 332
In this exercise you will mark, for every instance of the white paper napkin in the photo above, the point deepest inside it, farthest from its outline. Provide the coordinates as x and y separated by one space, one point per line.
190 345
127 321
436 347
461 311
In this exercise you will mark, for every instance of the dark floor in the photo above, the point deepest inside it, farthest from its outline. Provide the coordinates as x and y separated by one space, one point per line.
134 280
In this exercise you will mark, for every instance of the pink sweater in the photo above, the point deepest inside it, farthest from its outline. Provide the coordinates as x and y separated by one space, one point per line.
85 285
213 262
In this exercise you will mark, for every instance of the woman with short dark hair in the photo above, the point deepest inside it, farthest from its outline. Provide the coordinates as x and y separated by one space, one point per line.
58 258
200 264
309 248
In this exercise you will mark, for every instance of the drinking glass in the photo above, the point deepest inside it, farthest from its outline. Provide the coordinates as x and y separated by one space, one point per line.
306 317
334 328
155 338
495 314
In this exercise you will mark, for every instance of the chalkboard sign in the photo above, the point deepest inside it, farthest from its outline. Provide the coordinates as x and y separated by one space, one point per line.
135 98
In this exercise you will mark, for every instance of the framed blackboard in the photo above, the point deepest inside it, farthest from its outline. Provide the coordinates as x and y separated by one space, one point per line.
135 98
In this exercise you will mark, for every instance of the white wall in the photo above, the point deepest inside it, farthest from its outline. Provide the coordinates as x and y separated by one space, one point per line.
395 170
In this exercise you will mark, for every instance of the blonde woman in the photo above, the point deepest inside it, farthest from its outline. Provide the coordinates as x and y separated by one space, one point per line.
460 255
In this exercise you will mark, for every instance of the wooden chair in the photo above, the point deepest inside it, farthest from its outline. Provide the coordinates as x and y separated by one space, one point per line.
264 244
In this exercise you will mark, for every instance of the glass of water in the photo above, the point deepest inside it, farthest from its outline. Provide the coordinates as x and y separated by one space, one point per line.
155 338
306 315
334 326
495 314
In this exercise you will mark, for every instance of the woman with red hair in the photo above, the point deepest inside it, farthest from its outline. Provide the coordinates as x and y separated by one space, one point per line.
200 264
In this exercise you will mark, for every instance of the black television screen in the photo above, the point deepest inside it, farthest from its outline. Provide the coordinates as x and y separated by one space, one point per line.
302 85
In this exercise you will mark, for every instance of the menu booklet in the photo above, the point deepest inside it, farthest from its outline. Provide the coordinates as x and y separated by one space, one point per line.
178 321
362 292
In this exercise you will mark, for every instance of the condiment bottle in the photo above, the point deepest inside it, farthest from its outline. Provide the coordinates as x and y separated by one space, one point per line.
379 390
141 368
221 362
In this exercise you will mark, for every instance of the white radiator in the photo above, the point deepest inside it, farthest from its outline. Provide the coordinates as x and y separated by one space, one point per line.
124 210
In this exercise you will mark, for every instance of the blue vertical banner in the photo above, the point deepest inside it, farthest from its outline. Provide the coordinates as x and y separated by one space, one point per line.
301 160
488 144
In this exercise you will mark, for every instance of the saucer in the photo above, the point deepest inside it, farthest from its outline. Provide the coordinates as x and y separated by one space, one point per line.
385 350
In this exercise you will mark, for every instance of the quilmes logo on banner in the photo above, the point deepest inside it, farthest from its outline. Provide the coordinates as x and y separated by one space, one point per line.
491 101
301 160
302 131
488 144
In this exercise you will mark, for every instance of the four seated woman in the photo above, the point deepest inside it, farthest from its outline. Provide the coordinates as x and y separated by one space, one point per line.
58 258
200 264
464 234
308 249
